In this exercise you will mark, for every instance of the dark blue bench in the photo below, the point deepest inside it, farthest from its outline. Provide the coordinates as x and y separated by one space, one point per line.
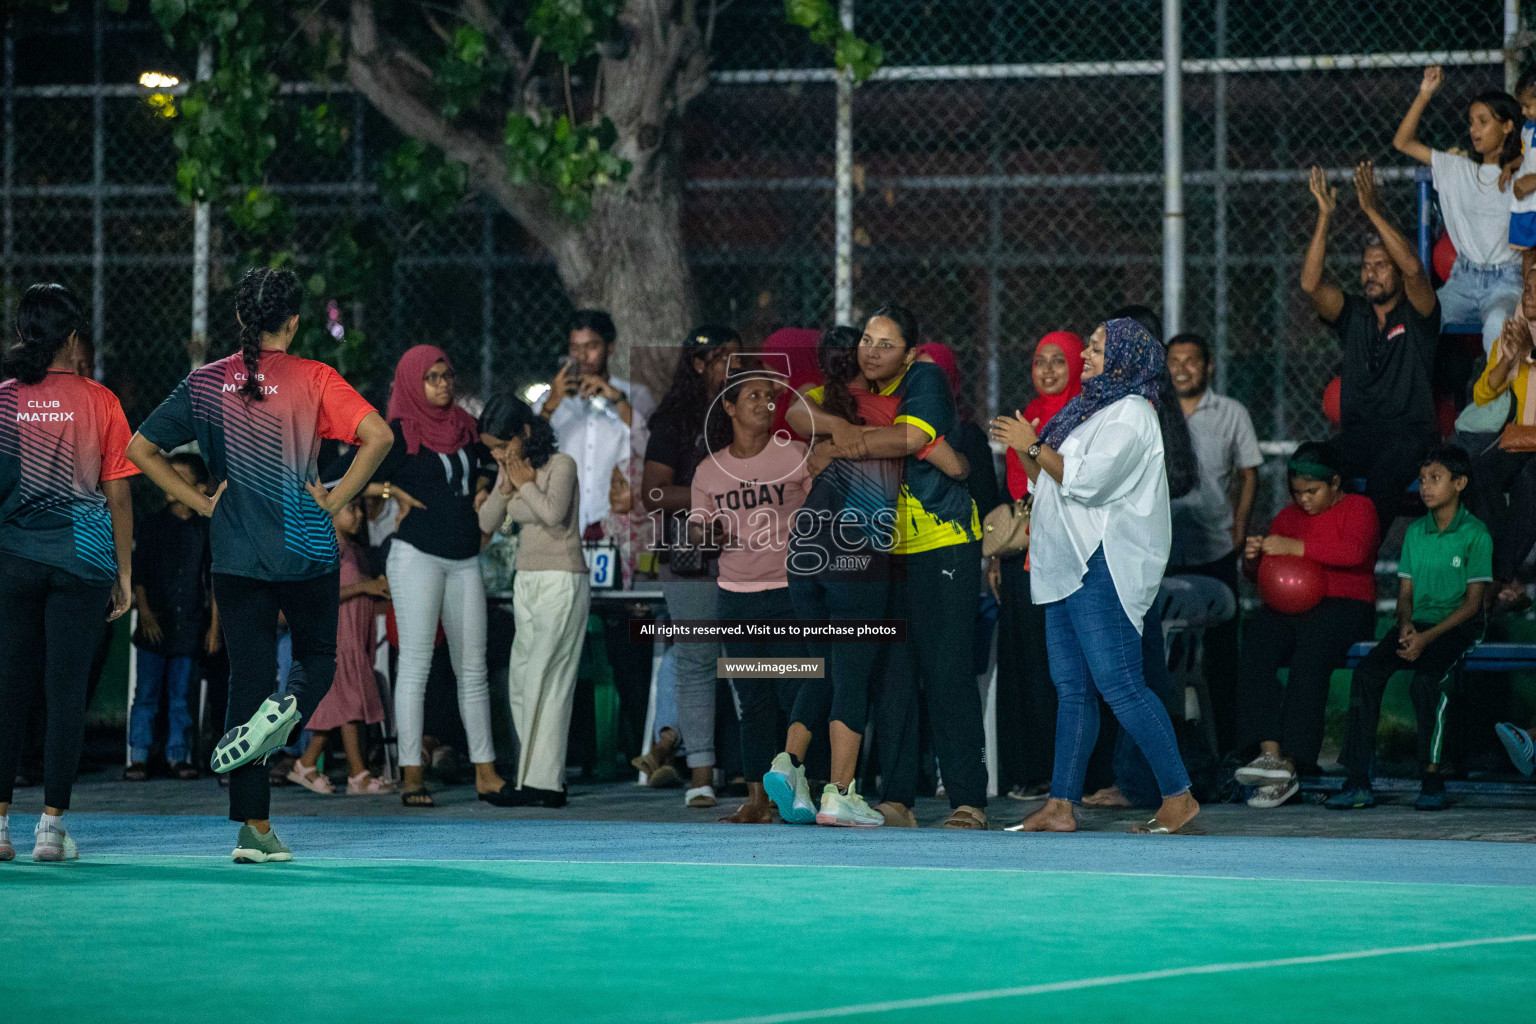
1486 657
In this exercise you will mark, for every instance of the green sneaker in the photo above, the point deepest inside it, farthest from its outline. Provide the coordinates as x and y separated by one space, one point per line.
848 809
266 731
787 788
254 848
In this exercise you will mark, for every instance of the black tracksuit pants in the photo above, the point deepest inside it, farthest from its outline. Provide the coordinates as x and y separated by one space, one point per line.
248 610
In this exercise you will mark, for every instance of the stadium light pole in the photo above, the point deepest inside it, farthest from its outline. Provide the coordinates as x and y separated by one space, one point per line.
1173 171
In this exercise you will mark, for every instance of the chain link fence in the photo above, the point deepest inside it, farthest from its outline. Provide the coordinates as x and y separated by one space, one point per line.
1007 179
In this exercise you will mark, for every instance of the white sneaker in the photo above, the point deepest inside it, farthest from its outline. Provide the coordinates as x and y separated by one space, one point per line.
52 843
848 809
1265 769
1274 794
7 848
787 788
700 796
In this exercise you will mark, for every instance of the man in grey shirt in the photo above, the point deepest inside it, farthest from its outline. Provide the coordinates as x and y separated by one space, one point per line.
1211 521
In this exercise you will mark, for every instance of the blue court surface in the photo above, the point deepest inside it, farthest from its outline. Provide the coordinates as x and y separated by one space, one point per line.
381 919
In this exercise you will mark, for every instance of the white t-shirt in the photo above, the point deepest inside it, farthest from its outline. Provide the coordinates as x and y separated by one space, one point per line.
1476 213
1113 492
1527 166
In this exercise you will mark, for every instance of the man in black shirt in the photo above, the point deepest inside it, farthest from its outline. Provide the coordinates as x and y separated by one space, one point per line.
1389 333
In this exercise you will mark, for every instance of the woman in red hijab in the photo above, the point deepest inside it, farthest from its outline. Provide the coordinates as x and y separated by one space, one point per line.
437 472
1026 698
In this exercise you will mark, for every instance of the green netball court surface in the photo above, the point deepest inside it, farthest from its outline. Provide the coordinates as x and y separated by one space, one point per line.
382 920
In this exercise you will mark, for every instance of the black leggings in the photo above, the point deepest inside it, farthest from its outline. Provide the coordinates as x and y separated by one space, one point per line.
1313 644
759 701
843 695
50 620
248 610
938 592
1026 697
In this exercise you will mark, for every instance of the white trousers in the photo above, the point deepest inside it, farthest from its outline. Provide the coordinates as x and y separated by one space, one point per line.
426 588
550 608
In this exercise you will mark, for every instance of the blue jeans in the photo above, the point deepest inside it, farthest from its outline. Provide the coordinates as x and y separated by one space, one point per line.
1094 649
174 676
1475 294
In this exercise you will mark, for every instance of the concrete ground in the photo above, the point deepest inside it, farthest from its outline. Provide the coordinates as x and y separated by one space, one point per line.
1508 816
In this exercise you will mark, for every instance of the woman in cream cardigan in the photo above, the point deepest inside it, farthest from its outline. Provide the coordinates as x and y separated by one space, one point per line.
536 488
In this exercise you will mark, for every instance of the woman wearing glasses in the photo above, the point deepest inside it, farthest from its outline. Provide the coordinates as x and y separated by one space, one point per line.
436 471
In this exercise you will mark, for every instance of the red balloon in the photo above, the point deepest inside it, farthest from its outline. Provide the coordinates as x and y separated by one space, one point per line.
1331 401
1291 584
1442 255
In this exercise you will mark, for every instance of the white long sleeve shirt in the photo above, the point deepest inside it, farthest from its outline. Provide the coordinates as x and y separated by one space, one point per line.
599 440
1114 493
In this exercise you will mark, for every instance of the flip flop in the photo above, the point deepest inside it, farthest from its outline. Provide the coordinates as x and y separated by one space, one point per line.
1157 828
1518 745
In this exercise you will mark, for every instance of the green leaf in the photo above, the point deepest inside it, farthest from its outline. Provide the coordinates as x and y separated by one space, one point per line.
167 13
856 56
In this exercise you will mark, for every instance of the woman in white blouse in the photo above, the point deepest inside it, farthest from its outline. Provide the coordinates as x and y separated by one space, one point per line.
1099 541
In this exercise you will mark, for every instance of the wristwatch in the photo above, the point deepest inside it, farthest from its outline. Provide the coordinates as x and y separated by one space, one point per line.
1033 451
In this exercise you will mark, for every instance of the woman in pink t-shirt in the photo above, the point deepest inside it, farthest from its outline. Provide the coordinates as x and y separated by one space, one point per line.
745 492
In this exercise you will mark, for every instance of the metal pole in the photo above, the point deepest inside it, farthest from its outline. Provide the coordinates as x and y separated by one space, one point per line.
1219 317
98 215
359 110
10 162
1511 55
202 220
487 297
994 339
843 257
1173 171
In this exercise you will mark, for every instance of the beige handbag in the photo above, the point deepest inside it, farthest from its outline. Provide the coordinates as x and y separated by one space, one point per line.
1521 437
1005 531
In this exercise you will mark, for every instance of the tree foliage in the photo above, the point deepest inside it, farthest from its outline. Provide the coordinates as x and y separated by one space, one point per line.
507 97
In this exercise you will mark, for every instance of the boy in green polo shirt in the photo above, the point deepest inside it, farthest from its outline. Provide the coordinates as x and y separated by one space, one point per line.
1445 570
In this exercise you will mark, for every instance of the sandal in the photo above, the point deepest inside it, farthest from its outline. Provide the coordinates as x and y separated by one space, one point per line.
136 772
309 777
1157 828
658 774
186 771
417 798
365 783
966 817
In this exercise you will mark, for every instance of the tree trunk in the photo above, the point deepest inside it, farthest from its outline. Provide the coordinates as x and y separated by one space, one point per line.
628 259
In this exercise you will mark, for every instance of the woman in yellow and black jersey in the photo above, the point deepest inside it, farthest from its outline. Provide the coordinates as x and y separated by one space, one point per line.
935 573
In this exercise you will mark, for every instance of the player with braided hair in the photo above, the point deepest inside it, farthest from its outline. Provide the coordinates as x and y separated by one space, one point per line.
258 417
266 301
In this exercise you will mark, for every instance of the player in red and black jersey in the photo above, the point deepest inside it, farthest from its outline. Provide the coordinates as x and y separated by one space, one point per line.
66 537
258 418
